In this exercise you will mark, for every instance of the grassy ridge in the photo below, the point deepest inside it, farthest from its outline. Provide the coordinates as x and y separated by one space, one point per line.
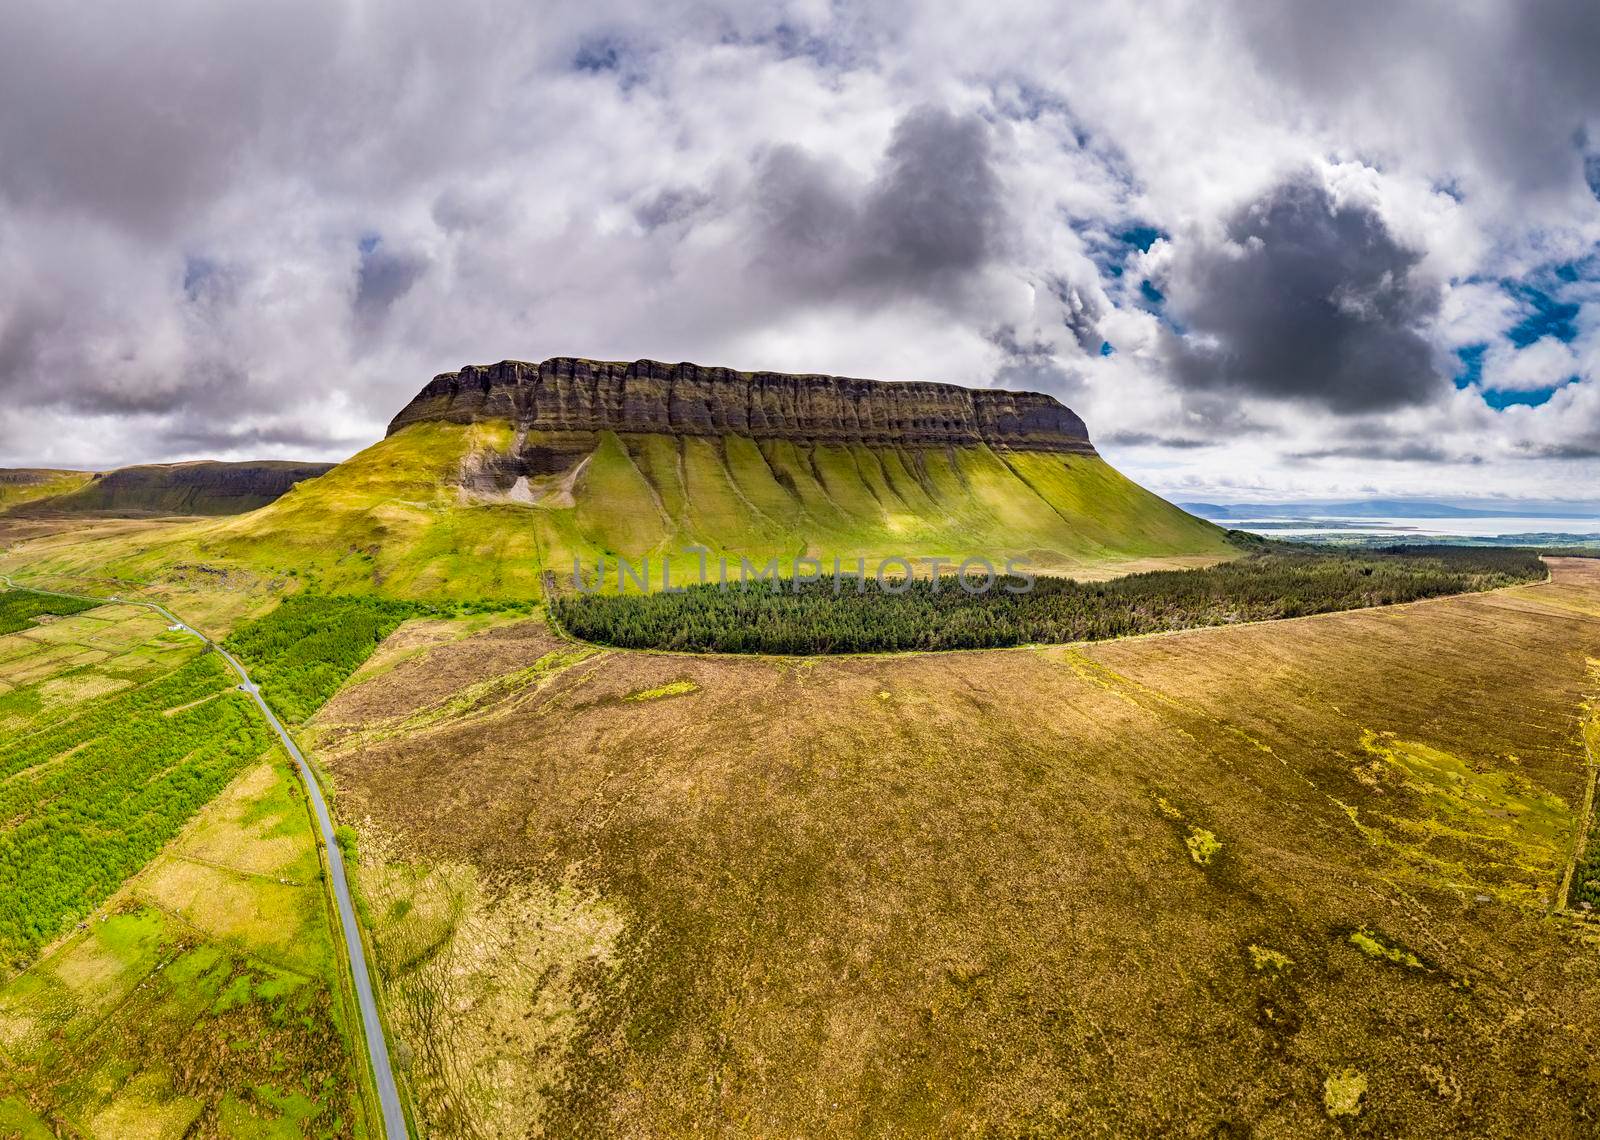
640 494
26 485
18 608
829 617
90 800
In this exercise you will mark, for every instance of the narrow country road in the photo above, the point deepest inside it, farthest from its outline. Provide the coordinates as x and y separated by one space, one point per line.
394 1120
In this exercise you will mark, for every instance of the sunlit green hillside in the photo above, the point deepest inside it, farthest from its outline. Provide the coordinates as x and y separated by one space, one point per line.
28 484
408 517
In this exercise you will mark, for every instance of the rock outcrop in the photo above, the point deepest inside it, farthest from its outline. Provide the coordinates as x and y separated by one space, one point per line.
29 476
571 395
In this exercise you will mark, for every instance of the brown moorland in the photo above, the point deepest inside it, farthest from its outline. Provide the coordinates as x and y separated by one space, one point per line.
1293 879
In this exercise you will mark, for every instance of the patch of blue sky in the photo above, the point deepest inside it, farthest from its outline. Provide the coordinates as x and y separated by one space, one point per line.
1470 375
197 270
1141 237
1545 315
598 54
1500 399
1111 249
1471 371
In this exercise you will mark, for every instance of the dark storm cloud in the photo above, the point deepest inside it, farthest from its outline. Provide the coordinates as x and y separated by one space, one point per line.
206 389
1583 448
1400 451
1152 439
1080 314
936 208
933 213
221 437
25 333
1510 84
1033 366
670 206
1310 301
136 115
383 277
183 187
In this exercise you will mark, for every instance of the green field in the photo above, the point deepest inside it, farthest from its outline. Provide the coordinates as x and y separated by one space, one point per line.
91 798
302 651
202 999
170 968
19 608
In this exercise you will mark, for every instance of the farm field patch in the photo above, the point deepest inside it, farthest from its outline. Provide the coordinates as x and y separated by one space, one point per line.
168 1014
170 964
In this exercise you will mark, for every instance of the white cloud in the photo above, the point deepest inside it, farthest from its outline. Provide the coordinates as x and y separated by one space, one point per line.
1545 363
601 179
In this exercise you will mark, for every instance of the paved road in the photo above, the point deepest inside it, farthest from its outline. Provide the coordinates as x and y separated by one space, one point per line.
394 1120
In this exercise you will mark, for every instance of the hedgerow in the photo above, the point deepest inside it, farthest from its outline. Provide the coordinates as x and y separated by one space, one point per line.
1585 889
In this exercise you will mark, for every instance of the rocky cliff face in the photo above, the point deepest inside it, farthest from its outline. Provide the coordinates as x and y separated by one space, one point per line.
28 476
566 394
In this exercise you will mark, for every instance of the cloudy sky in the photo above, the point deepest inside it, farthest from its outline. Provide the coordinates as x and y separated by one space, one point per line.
1267 248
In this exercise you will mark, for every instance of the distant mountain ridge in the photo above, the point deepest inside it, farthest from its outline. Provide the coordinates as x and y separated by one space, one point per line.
1376 508
20 485
198 487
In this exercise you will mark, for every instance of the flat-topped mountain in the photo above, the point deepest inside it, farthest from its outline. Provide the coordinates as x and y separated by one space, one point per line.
199 487
570 394
496 476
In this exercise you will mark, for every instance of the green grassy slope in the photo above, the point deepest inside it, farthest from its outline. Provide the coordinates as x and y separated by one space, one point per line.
399 519
406 528
28 484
